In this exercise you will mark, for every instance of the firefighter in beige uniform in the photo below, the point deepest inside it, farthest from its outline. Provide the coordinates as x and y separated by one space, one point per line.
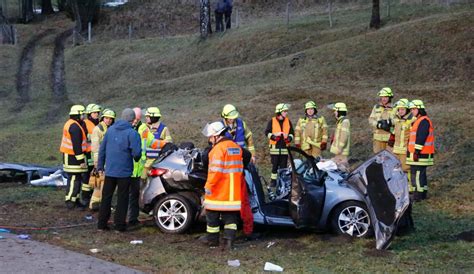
311 132
341 140
381 120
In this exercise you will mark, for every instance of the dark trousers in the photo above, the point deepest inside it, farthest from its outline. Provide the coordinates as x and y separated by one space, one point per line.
133 207
418 178
123 189
228 19
73 189
278 161
229 218
219 21
87 190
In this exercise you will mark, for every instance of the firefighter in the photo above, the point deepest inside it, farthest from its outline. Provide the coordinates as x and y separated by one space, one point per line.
223 188
107 118
341 140
237 129
381 119
74 148
280 134
92 120
401 131
420 149
311 132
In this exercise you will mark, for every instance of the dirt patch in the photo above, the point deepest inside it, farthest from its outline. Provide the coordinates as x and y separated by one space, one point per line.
24 70
340 239
467 236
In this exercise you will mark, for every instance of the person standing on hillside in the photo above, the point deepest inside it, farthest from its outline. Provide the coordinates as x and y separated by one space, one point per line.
229 5
223 187
341 140
92 120
421 149
219 14
237 129
74 147
280 133
381 120
311 132
119 148
106 120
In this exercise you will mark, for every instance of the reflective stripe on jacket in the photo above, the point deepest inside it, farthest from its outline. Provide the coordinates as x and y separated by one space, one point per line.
90 125
225 176
425 147
402 132
239 133
378 113
275 128
96 138
311 132
67 142
342 137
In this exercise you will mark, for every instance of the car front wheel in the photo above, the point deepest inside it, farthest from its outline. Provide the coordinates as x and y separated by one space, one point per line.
173 214
351 218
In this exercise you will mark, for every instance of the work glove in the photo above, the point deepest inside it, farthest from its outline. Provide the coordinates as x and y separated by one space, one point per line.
416 155
275 138
323 145
384 125
391 140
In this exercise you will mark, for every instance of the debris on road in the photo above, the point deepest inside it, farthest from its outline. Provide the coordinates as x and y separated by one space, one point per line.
136 242
55 179
23 236
95 250
30 171
270 244
233 263
272 267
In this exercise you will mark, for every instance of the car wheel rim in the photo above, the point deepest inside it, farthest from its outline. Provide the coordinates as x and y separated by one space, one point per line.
172 214
354 220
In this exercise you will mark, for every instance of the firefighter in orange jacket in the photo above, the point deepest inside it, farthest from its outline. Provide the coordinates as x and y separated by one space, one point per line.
223 188
420 149
74 147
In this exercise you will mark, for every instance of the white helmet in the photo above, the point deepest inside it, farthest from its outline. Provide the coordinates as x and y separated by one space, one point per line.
213 129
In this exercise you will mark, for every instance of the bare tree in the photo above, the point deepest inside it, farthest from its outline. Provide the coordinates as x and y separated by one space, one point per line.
375 20
46 7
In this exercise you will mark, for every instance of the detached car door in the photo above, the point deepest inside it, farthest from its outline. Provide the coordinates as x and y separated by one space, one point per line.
307 189
384 186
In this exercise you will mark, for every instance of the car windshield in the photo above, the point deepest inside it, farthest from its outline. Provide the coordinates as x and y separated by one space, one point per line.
305 167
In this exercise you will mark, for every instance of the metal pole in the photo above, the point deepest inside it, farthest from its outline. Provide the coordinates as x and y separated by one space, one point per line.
89 31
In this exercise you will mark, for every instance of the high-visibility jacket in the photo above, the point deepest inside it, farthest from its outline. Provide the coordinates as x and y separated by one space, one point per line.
401 130
378 113
311 132
97 136
342 137
224 178
422 139
148 142
73 146
161 134
241 134
90 125
277 127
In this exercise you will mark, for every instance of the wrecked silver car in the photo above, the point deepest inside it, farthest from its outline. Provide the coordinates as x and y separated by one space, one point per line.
371 198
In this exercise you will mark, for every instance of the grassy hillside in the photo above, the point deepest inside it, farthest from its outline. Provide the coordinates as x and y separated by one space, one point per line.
421 52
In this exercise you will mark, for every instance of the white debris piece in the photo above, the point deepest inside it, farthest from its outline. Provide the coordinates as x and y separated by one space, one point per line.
327 165
272 267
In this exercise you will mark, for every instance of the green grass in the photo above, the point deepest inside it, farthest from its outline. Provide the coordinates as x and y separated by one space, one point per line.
421 52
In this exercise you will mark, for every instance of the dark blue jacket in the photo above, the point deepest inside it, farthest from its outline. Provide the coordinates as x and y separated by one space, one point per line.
221 6
120 146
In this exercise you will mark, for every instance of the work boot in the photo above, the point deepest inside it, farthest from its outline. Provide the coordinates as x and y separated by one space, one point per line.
210 239
418 197
70 205
424 195
228 244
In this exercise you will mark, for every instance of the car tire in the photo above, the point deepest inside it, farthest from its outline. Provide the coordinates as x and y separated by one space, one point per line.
351 218
173 214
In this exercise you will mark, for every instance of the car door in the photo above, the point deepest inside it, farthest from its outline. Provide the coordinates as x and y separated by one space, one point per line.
307 189
384 186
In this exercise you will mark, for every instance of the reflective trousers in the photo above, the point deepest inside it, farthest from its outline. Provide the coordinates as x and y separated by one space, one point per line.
229 218
278 161
419 182
73 189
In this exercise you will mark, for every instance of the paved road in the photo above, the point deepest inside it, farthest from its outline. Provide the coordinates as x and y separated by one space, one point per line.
27 256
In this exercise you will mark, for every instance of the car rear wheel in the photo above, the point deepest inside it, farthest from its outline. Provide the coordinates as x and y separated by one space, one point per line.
351 218
173 214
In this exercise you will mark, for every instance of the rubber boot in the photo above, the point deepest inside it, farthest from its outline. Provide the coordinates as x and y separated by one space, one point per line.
210 239
228 244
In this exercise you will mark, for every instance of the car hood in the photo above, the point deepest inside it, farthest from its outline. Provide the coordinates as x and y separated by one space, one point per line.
384 187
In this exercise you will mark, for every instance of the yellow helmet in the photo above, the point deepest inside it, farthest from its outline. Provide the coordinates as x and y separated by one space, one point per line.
340 106
93 108
386 92
108 113
77 110
229 112
402 103
417 104
310 104
153 112
281 107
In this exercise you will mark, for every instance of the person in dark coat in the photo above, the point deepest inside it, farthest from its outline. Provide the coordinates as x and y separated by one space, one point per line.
120 147
228 13
219 14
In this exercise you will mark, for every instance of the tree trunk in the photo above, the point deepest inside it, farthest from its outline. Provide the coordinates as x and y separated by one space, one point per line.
375 20
46 7
27 11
